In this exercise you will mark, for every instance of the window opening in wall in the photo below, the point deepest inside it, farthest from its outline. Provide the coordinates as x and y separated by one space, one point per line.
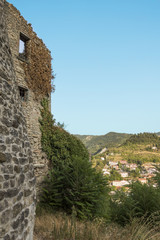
23 94
22 45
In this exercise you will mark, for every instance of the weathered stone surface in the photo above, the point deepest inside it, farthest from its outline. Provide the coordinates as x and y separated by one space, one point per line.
17 195
15 148
21 179
16 24
17 209
3 205
5 216
5 185
2 195
11 192
6 177
20 195
7 237
2 157
20 136
1 178
27 193
4 130
16 224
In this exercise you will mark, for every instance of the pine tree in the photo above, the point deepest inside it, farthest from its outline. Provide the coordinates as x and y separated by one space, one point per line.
72 183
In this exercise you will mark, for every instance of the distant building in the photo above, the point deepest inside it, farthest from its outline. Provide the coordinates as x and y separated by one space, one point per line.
123 162
143 180
105 172
131 166
111 163
124 174
116 167
119 183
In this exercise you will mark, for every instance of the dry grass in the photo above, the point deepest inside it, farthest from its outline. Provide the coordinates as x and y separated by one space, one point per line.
62 227
146 229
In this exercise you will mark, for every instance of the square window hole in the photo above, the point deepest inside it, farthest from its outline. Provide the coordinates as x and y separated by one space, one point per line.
23 94
22 46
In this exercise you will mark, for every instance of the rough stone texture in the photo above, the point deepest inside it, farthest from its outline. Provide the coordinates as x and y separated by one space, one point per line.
16 24
17 186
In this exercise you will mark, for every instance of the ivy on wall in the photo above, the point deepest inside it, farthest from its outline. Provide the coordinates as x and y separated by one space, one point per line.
38 69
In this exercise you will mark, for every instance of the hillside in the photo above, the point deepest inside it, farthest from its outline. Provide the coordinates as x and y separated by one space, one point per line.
95 143
139 149
143 138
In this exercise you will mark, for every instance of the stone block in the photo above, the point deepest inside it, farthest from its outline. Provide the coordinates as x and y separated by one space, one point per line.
2 157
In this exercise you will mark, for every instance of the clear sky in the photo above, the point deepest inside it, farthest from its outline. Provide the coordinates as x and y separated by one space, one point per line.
106 58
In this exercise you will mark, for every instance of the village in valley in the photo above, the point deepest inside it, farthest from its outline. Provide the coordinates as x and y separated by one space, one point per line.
126 169
130 162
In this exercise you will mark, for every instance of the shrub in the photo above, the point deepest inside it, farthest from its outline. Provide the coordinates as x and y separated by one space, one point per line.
157 176
72 183
114 175
143 200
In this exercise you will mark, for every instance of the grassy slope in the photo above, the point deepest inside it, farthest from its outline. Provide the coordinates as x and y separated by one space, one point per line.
94 143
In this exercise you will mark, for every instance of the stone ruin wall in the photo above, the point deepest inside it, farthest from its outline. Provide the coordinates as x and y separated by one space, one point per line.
17 181
16 24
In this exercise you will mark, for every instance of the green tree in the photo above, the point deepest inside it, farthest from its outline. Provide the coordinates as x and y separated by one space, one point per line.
135 173
157 176
143 200
114 175
61 125
71 182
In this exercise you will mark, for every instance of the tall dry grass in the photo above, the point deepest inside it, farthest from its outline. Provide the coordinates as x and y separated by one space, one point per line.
146 228
62 227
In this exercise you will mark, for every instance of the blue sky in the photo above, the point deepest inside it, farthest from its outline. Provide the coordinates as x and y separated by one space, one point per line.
106 58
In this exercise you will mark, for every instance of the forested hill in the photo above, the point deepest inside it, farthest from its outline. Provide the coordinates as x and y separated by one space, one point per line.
143 138
111 139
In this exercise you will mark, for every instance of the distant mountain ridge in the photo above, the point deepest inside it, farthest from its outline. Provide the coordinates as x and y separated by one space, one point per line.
96 142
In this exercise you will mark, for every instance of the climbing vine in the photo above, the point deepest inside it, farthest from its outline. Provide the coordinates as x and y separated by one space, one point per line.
38 69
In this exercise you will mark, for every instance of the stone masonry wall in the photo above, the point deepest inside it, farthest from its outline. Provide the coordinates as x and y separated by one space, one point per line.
17 25
17 181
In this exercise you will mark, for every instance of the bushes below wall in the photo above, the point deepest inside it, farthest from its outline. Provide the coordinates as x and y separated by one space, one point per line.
72 185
